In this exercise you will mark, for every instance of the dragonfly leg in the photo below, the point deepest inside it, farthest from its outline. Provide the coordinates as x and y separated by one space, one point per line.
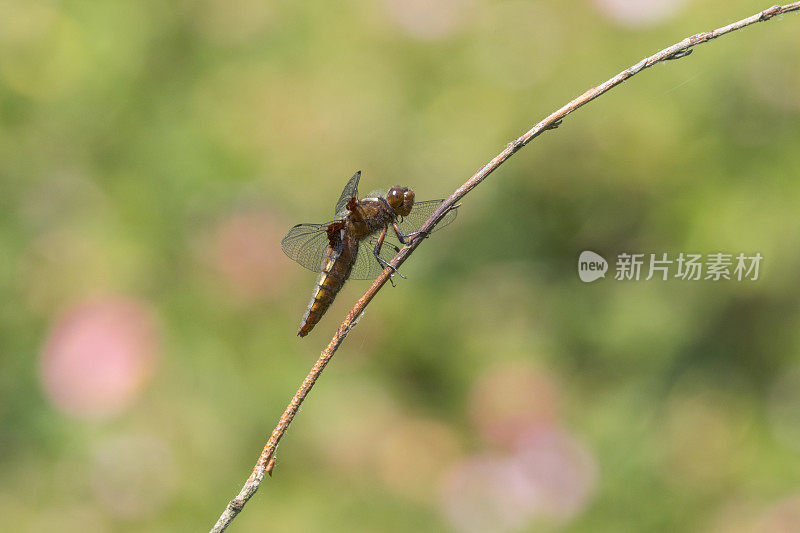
383 262
403 237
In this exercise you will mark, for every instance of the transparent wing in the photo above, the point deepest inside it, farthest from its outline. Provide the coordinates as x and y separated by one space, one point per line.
377 193
420 213
306 244
367 267
350 191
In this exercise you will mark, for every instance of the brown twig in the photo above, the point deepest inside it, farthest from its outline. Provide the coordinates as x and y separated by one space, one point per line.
678 50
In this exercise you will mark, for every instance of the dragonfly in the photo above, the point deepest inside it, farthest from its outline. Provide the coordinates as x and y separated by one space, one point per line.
357 243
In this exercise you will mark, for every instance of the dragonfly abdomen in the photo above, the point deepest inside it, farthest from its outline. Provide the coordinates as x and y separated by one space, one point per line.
336 268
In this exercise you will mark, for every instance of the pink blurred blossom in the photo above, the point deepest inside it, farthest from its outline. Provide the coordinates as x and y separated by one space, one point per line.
98 356
781 517
510 399
482 494
637 13
246 253
742 515
550 477
560 473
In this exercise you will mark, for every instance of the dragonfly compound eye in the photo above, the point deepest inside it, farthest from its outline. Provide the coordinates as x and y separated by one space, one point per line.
401 199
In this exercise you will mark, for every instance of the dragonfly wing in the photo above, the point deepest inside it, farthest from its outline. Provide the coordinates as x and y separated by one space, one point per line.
350 191
420 213
306 244
366 266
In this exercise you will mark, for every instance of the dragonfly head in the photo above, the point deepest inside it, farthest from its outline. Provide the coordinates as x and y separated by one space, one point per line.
401 199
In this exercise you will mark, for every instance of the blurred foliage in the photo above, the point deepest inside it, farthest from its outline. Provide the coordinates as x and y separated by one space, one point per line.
154 153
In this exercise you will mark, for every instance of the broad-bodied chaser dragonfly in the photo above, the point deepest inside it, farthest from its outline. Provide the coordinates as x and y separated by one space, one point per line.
360 225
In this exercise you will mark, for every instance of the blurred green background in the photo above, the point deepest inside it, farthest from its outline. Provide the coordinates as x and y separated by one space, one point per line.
153 154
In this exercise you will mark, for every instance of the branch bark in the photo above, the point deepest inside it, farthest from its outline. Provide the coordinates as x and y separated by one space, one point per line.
678 50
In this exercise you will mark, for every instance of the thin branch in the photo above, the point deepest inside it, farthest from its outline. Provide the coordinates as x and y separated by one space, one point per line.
676 51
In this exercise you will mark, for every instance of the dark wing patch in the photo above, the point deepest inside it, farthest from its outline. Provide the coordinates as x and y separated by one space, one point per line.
306 244
366 266
420 213
350 191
